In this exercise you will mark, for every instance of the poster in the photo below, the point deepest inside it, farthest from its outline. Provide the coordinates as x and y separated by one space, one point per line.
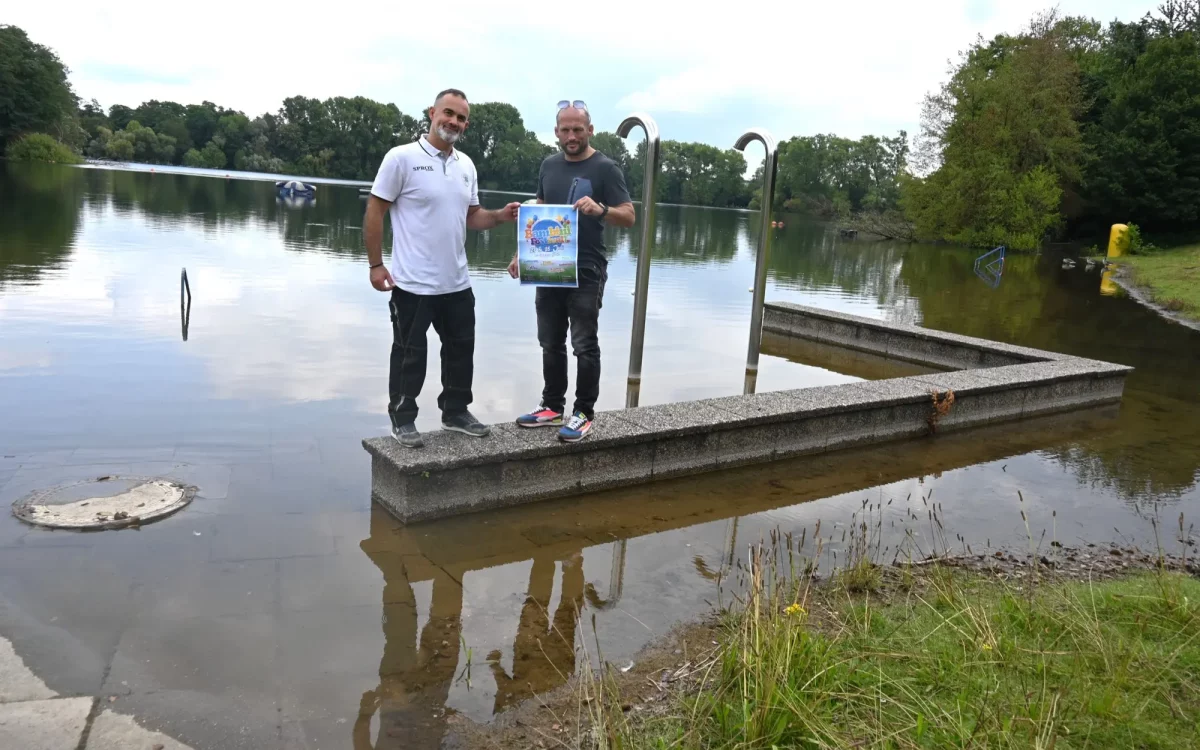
547 245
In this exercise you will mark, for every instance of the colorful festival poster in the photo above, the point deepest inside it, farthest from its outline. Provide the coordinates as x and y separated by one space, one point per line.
547 245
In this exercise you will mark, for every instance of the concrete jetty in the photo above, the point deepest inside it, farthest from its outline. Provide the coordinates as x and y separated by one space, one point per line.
990 382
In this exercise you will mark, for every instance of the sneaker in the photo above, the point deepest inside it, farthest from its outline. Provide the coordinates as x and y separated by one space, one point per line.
541 417
576 428
466 423
407 435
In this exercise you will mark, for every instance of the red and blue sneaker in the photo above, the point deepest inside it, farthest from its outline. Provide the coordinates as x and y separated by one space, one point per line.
541 417
576 428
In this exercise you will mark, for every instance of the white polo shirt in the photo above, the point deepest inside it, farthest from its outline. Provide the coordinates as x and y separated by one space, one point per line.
430 193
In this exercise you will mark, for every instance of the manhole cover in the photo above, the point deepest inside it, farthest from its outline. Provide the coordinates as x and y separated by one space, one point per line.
104 503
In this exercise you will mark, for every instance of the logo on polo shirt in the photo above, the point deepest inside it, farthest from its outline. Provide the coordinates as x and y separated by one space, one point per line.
425 168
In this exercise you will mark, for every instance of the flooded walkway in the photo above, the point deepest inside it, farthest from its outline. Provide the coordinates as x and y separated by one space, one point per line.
279 610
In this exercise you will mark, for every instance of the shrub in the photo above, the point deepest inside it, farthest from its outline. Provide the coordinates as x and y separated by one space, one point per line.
41 147
1139 245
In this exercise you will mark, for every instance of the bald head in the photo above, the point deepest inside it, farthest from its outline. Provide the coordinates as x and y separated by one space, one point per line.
573 128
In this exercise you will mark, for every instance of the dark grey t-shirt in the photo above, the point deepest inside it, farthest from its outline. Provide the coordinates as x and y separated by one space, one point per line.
563 182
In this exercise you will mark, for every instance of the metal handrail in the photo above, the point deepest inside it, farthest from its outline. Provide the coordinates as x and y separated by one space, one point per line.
770 166
642 283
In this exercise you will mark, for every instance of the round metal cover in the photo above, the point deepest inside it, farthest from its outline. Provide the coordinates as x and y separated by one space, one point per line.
110 502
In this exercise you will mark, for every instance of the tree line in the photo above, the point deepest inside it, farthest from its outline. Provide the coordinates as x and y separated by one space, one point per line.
1054 132
347 138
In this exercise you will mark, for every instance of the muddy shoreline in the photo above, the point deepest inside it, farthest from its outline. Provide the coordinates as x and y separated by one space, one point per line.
1142 296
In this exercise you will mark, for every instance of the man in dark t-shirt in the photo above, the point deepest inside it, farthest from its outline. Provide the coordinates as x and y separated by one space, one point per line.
587 179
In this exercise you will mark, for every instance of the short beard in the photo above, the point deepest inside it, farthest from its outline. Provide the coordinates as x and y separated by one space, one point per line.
449 136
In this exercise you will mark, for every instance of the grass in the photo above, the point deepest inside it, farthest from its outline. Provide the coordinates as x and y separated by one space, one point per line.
1172 278
533 273
956 659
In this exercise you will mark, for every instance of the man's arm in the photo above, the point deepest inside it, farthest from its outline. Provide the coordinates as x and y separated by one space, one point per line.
389 182
622 215
372 229
479 218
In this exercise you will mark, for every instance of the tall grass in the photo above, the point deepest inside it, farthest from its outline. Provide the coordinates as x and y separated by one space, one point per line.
947 658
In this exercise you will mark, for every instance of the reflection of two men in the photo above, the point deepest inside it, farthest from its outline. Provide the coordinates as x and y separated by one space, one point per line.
544 649
416 673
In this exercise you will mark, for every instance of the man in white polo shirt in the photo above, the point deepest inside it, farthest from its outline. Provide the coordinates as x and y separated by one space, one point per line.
431 191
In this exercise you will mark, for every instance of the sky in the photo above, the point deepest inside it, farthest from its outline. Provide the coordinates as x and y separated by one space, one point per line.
792 67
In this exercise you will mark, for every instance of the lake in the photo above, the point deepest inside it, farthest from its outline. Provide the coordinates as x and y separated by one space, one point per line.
280 609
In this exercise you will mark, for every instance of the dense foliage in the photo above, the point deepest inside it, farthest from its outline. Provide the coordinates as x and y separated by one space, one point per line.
1063 130
40 147
35 95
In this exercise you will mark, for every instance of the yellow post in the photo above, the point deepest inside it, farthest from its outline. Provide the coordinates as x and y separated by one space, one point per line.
1118 240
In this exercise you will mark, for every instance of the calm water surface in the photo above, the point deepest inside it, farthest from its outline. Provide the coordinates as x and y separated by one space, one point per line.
281 610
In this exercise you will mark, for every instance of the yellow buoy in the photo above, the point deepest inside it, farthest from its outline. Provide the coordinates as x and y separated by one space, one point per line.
1118 240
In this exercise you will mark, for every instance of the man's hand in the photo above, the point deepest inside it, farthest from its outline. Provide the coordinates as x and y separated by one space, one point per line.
381 279
588 206
513 271
509 212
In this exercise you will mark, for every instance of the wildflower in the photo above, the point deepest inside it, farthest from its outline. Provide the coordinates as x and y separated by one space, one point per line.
794 610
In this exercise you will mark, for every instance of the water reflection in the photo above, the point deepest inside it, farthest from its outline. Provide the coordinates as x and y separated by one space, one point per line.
283 372
427 675
40 207
702 260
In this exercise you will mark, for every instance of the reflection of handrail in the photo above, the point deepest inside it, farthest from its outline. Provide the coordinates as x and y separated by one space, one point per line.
642 284
990 266
616 581
770 165
185 313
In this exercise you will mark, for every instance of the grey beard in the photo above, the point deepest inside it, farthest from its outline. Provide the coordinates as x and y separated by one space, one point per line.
447 135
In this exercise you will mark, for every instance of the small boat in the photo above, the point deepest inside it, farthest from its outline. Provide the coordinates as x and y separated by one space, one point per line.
295 188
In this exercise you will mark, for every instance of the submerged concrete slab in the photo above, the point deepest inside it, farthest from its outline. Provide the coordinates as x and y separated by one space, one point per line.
55 724
990 382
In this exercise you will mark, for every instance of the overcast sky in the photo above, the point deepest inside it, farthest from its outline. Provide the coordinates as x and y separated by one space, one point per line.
794 67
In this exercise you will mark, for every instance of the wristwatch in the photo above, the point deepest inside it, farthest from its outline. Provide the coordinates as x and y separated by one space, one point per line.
603 211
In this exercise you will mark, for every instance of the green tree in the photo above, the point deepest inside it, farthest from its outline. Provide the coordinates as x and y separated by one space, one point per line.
202 119
137 143
211 157
98 147
92 118
166 118
613 146
40 147
120 116
1004 136
34 92
828 175
695 174
119 147
1144 134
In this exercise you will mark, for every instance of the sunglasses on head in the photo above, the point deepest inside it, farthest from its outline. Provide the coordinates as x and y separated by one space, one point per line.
577 104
